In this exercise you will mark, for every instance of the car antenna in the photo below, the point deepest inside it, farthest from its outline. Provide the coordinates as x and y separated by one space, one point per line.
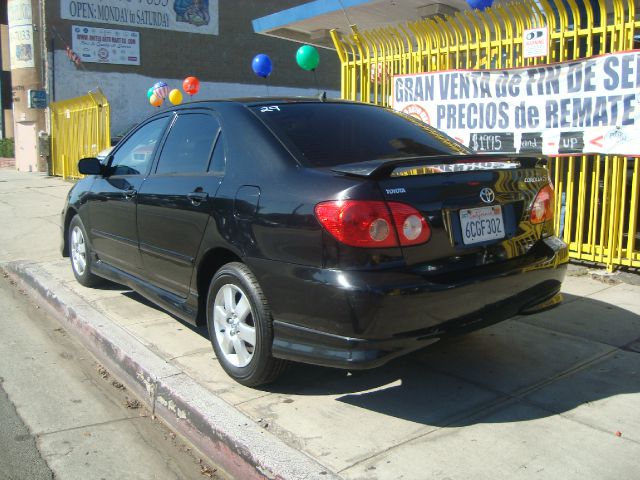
323 97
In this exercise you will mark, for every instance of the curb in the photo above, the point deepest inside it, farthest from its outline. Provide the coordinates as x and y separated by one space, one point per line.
222 433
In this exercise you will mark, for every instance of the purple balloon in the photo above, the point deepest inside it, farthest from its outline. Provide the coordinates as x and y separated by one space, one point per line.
480 4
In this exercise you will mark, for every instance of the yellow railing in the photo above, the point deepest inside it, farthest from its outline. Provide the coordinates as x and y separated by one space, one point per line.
79 128
597 195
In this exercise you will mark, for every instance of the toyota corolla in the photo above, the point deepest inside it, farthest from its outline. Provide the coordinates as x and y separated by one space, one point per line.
326 232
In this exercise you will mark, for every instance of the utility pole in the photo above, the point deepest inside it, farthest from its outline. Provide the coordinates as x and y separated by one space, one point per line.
29 97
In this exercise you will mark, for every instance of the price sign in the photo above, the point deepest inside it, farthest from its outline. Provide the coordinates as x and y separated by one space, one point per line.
493 142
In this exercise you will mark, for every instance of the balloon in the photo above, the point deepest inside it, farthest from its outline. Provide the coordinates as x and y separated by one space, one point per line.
307 57
155 100
480 4
161 90
149 92
261 65
191 85
175 96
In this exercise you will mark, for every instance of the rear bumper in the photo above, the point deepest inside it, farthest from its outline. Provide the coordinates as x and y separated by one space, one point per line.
363 319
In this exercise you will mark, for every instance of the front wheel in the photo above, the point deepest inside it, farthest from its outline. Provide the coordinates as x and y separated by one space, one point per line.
80 253
240 327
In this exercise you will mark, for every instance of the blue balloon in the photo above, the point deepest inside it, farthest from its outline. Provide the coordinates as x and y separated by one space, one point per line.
480 4
261 65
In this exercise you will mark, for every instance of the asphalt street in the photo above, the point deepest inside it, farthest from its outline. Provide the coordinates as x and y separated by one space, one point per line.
19 456
66 417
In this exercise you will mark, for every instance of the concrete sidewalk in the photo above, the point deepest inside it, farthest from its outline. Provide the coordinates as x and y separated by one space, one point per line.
542 396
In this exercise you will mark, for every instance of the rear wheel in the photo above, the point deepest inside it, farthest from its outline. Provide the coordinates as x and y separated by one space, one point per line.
80 254
240 327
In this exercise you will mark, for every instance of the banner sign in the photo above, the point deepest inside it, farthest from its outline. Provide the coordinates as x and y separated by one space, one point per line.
587 106
101 45
194 16
20 34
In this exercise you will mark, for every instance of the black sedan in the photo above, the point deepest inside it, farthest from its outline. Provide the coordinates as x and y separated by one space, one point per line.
327 232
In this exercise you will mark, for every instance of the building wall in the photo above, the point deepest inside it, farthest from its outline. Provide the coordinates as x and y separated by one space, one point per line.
222 62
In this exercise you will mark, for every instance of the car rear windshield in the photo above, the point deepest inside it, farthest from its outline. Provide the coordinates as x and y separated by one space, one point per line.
330 134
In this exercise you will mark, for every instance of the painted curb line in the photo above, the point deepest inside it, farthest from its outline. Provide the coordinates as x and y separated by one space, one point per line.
221 432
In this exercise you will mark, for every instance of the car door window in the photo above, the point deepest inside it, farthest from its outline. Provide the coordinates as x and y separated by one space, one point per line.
189 144
134 156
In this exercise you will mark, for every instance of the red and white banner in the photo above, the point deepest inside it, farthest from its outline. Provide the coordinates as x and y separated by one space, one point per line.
586 106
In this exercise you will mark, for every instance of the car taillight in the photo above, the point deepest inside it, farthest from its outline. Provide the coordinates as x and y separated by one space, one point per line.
543 205
373 224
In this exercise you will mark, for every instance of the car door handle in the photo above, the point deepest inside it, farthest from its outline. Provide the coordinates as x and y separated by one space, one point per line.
197 197
129 194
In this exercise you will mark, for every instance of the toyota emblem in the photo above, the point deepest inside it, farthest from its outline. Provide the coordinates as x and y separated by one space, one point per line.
487 195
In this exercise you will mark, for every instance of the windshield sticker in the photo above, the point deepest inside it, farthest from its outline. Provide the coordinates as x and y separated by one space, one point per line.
273 108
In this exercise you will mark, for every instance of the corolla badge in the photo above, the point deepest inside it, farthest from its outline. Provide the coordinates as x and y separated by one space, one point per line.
487 195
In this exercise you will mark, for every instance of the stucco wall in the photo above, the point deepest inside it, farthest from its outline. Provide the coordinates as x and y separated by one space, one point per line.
225 57
222 62
127 92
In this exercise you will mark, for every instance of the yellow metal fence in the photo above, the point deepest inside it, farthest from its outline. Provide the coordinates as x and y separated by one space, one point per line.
597 195
79 128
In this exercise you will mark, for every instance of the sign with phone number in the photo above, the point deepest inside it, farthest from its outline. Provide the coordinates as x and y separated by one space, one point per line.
101 45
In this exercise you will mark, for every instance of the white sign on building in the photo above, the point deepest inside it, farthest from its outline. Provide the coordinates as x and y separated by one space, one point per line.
194 16
20 34
101 45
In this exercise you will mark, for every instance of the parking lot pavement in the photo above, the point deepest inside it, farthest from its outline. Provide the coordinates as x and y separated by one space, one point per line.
554 395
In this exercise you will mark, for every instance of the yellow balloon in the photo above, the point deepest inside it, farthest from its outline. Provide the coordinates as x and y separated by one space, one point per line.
155 101
175 96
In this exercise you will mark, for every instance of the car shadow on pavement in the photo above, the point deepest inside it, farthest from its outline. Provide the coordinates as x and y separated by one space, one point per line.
578 353
200 330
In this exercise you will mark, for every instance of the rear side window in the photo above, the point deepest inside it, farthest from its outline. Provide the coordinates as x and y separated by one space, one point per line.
329 134
189 144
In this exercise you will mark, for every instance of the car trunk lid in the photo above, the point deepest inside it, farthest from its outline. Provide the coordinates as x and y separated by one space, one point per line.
476 206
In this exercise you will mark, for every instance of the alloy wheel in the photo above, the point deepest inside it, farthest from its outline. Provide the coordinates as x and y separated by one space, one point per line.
234 326
78 250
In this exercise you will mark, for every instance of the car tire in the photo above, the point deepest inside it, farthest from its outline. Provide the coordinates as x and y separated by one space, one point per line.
240 327
80 254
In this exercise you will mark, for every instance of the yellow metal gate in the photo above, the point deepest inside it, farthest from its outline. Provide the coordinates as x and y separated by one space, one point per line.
597 195
79 128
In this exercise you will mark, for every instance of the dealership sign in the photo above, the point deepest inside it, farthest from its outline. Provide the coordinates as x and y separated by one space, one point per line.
194 16
587 106
101 45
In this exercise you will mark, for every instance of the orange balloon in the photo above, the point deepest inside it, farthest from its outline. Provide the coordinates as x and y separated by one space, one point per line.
155 100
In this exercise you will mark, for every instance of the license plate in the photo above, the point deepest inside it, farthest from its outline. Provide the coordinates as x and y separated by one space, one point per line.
481 224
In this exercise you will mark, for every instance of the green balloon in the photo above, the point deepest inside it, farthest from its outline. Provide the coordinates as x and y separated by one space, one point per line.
149 92
307 57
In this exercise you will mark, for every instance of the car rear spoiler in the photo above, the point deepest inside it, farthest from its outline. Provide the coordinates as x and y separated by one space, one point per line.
434 164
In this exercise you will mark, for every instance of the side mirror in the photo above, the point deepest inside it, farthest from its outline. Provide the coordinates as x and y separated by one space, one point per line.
90 166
